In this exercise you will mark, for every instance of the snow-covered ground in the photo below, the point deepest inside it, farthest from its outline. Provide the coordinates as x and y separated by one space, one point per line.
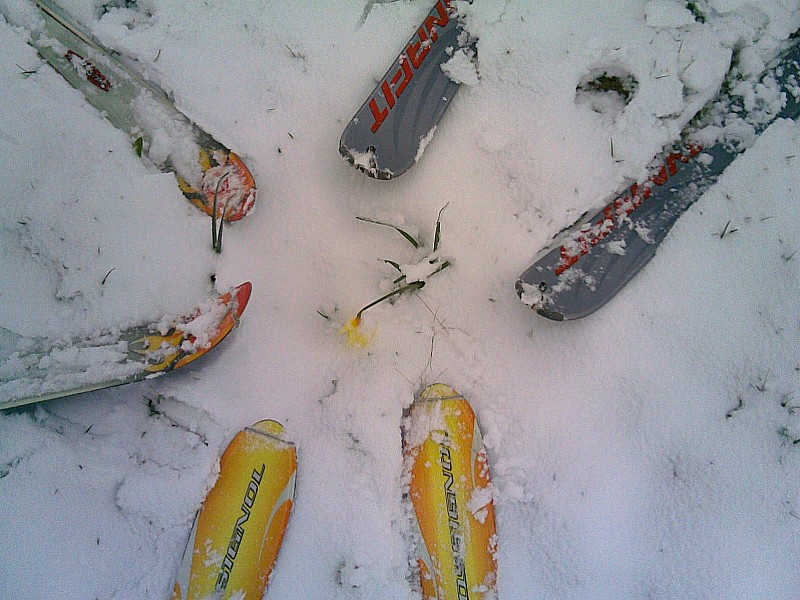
651 450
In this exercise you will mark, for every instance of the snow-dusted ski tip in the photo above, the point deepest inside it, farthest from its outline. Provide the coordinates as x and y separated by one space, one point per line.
450 490
209 174
35 370
239 530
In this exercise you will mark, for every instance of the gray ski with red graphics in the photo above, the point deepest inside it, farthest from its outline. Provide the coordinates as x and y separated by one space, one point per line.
594 259
391 129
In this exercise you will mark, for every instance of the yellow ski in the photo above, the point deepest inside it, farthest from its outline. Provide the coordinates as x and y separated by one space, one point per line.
239 530
450 489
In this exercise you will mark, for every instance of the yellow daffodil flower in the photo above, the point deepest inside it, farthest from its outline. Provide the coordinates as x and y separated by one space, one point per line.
356 337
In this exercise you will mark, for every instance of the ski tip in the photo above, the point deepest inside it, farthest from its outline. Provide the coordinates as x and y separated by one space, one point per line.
158 353
452 497
226 185
243 519
439 391
536 297
366 161
271 428
246 189
441 395
242 295
235 301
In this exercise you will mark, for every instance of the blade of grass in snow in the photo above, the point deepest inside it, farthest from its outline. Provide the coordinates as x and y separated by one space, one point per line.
405 234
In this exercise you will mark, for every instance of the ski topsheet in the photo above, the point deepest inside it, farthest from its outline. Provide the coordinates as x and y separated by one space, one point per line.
391 129
238 532
597 256
450 490
34 370
208 173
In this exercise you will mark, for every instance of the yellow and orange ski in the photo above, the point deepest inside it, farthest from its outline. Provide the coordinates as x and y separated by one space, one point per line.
450 489
239 530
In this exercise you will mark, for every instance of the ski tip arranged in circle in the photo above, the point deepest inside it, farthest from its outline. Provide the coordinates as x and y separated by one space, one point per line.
238 532
233 303
227 186
451 493
209 174
596 257
389 132
269 427
128 356
241 295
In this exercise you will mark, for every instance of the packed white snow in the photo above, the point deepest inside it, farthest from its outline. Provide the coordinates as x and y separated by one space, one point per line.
650 450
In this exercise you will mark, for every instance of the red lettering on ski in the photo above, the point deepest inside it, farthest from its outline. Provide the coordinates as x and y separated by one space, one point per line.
412 58
91 73
620 209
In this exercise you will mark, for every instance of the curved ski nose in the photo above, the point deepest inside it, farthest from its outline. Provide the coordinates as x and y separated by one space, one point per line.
242 295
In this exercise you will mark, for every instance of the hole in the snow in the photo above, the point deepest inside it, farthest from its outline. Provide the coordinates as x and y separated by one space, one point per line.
606 90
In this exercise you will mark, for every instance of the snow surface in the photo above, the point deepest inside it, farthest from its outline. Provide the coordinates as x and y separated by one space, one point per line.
648 451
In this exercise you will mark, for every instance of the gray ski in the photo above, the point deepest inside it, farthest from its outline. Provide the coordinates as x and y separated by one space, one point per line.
593 259
391 129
